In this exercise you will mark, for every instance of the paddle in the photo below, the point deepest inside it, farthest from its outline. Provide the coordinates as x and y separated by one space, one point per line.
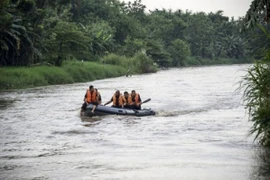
147 100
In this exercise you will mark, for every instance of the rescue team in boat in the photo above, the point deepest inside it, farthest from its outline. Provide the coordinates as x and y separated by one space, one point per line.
128 100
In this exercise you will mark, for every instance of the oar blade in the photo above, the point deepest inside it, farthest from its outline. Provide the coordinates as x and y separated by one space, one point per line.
147 100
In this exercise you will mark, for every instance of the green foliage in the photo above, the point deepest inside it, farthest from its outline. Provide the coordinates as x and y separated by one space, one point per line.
64 40
256 82
155 50
70 72
54 75
115 59
193 61
33 31
143 63
88 71
179 51
101 38
3 4
17 47
257 100
26 5
232 47
139 63
260 40
132 46
166 26
16 78
258 12
200 34
199 61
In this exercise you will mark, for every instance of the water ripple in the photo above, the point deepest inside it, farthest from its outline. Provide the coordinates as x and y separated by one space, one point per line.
200 126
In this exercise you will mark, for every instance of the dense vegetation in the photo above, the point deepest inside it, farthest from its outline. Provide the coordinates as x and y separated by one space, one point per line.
70 72
257 80
53 31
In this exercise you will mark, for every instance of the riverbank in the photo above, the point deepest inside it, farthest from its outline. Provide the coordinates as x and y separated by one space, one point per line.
70 72
76 71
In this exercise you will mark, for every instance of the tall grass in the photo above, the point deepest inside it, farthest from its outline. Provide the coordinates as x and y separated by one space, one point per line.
257 100
114 59
70 72
74 71
16 78
257 95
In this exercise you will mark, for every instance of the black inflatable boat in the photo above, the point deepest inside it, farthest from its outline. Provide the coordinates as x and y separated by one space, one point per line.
107 110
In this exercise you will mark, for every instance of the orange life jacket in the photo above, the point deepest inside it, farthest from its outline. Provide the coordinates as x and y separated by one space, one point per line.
120 100
91 97
128 101
137 101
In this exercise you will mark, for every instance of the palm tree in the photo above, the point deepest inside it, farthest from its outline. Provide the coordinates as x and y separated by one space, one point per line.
259 12
15 42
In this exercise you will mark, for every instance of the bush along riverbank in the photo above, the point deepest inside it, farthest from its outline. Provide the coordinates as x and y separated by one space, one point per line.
70 72
74 71
84 71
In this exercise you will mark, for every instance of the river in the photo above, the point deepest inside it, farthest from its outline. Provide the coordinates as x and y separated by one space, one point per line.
200 131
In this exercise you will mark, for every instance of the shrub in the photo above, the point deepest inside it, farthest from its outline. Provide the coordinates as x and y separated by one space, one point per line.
143 63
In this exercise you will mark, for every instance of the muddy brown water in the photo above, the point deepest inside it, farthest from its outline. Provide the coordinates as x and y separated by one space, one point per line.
200 130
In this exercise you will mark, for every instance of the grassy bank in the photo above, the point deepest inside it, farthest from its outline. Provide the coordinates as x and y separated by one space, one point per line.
76 71
70 72
199 61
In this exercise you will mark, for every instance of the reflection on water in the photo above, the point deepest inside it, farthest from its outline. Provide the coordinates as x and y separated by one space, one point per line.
91 121
4 104
174 113
199 132
262 164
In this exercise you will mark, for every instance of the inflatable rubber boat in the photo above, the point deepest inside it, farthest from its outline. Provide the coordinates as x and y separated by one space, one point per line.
107 110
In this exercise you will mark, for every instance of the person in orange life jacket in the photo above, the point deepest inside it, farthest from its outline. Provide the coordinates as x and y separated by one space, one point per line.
128 101
136 100
117 99
99 99
90 98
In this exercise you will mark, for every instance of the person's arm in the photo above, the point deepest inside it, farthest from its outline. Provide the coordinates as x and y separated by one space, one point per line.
139 98
108 102
85 97
140 101
97 98
100 99
123 101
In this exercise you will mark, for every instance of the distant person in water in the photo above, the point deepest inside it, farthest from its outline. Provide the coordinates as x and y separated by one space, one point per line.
135 100
117 99
90 98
